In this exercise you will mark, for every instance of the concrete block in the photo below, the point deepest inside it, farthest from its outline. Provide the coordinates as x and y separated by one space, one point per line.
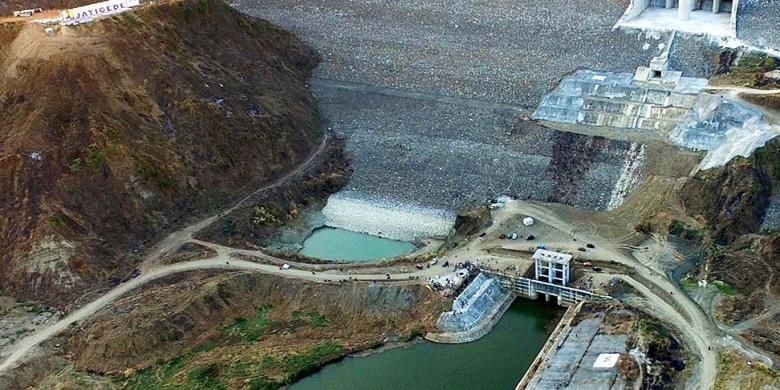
643 73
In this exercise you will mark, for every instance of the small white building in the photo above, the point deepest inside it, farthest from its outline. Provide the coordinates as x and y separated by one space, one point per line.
552 267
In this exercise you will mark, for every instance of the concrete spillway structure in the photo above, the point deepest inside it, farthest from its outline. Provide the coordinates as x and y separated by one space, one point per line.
659 103
474 313
614 100
705 126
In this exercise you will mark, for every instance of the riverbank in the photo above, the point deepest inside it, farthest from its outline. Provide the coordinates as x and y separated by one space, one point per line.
505 353
239 327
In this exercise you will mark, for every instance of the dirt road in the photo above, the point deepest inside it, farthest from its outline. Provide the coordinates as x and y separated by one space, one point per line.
223 260
703 339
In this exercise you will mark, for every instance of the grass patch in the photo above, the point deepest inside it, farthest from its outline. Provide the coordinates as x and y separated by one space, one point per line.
725 288
56 221
205 377
261 215
262 382
645 326
95 157
249 329
317 319
152 173
205 347
299 365
683 230
748 71
688 283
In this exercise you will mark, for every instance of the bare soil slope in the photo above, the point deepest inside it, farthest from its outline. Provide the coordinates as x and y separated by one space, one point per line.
114 131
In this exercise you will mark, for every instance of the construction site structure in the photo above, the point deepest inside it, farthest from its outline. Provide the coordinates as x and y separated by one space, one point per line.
552 267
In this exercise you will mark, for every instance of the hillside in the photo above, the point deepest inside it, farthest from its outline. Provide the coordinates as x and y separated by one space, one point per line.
732 200
115 131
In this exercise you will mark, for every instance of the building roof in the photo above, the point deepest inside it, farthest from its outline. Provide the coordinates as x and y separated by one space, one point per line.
551 256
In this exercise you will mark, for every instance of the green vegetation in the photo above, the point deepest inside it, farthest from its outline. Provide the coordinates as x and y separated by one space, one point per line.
95 157
261 215
152 173
214 375
734 372
769 158
688 283
201 7
417 331
92 157
56 221
768 371
316 319
681 229
647 327
748 71
725 288
205 377
205 347
299 365
249 329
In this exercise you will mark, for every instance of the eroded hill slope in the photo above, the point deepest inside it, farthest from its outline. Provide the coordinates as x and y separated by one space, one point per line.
114 131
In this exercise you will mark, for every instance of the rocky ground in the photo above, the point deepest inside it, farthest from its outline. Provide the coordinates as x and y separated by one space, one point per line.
506 52
757 22
432 96
19 319
452 153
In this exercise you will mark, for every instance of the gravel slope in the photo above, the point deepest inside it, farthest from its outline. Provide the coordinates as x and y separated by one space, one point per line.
501 51
432 94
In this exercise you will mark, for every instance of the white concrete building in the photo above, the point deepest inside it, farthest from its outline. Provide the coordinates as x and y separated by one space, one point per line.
552 267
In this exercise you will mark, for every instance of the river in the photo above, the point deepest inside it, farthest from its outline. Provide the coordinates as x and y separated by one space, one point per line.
496 361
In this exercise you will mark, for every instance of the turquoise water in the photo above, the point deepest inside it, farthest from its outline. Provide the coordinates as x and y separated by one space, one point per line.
343 245
496 361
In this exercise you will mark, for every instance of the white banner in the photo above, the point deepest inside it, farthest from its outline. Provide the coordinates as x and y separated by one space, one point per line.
92 11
